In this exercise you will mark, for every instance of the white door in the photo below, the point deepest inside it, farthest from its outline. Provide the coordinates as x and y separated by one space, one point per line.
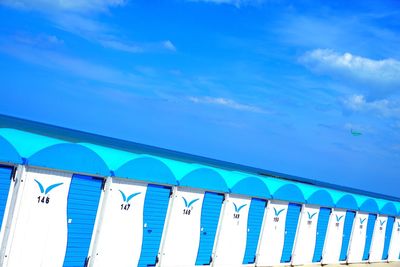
232 232
182 234
358 237
394 249
119 239
378 239
306 236
272 235
334 236
38 236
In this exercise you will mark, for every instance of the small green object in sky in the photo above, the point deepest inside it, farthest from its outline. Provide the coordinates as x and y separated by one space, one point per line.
354 133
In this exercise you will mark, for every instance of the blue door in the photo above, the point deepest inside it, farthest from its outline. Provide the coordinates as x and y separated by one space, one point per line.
210 213
83 201
368 238
292 219
254 222
388 236
5 182
348 226
154 213
322 226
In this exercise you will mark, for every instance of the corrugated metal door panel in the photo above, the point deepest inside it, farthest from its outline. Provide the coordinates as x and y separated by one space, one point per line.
368 238
322 226
155 211
5 181
388 235
83 201
254 222
210 214
348 226
292 219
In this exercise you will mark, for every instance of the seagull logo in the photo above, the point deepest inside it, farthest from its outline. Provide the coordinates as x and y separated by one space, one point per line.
310 216
277 212
237 209
189 204
127 199
362 221
382 222
339 218
48 189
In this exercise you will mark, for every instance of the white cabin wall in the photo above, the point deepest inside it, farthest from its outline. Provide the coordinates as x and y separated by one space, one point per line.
182 233
394 249
306 236
232 233
273 234
334 237
39 235
121 228
358 237
378 239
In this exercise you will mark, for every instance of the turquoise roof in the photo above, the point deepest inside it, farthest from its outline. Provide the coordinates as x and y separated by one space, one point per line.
70 157
347 202
289 192
205 178
322 198
147 169
369 205
251 186
22 147
389 209
8 154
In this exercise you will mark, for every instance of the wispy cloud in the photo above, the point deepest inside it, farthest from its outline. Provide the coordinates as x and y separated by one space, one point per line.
236 3
383 107
36 51
382 76
80 17
226 102
60 5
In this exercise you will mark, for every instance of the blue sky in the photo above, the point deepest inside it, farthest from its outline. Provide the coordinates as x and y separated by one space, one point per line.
272 84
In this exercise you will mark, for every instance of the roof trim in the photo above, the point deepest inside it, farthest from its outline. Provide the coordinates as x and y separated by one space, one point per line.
147 169
389 209
8 154
205 178
75 136
369 205
289 192
70 157
347 202
251 186
322 198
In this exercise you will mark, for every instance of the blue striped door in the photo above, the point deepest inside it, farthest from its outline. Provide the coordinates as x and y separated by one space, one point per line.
388 236
368 238
254 222
348 226
154 213
83 201
210 213
322 226
5 181
292 219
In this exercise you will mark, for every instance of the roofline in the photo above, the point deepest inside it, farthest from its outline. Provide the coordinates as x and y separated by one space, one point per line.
72 135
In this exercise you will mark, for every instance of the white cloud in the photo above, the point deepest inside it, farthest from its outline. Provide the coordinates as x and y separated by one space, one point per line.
381 76
169 45
80 18
50 6
226 102
236 3
383 107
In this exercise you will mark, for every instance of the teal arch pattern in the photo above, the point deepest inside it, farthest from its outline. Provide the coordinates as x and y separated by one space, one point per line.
205 178
252 186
